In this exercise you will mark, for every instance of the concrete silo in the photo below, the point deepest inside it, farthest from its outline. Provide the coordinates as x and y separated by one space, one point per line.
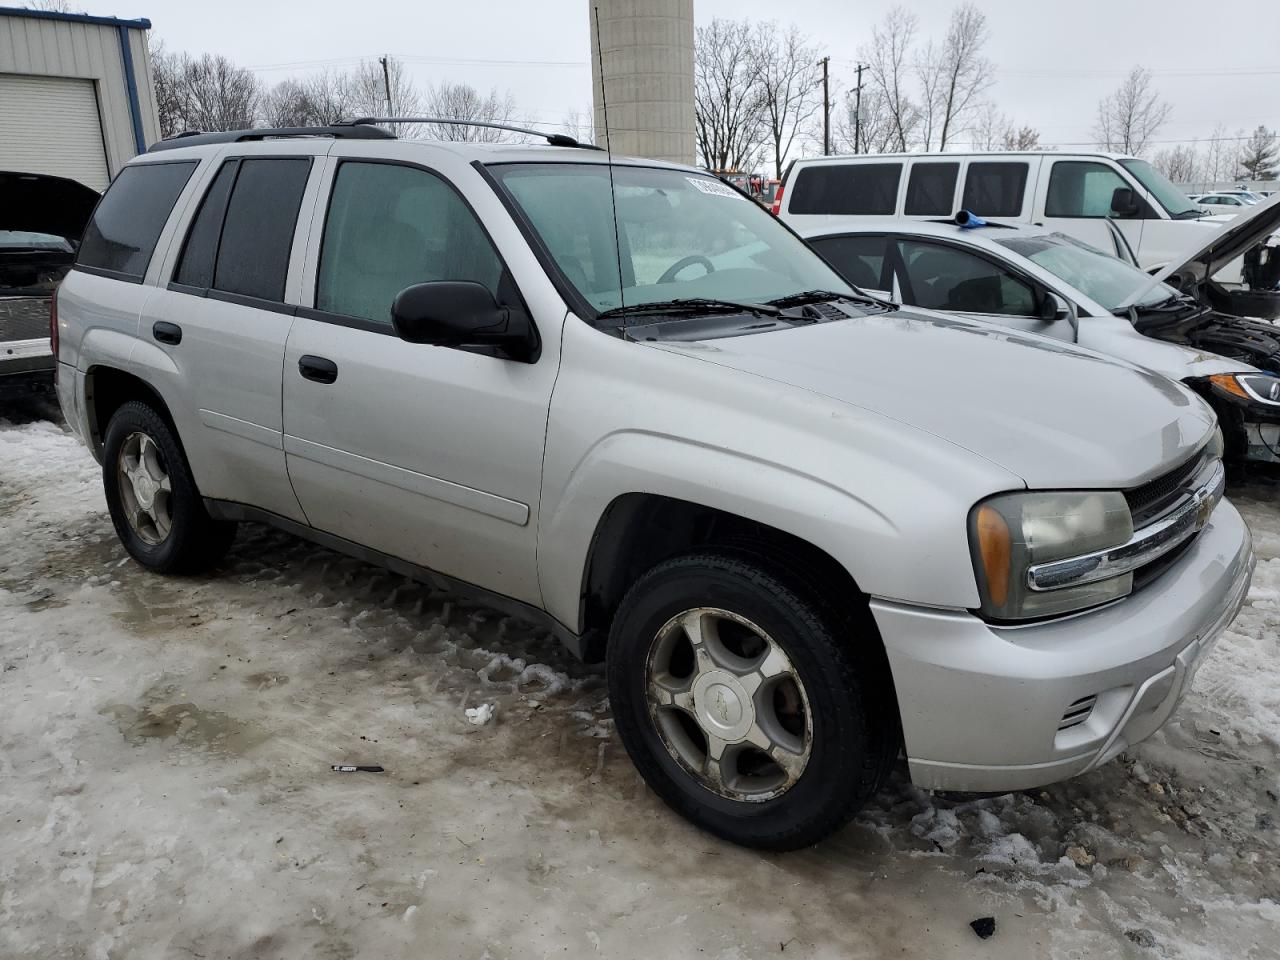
647 48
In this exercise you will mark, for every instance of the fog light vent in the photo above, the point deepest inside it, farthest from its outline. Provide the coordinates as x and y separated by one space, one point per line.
1078 712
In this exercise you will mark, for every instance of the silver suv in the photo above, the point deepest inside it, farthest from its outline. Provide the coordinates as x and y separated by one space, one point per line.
807 529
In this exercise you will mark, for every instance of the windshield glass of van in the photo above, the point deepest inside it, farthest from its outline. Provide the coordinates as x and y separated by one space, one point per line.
26 240
1102 278
1177 203
679 236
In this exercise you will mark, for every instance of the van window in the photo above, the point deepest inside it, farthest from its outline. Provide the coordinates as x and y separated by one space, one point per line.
942 277
257 233
390 227
1080 188
995 189
195 269
859 259
863 189
123 232
931 189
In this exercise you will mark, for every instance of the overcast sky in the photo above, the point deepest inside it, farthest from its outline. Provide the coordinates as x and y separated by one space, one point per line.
1055 58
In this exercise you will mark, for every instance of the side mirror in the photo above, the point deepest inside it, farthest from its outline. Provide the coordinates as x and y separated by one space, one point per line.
1124 203
1054 309
460 313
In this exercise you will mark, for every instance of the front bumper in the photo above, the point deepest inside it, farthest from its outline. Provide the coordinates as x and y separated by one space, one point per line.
989 708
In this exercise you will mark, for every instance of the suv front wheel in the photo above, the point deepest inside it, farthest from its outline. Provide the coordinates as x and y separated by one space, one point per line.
154 504
746 704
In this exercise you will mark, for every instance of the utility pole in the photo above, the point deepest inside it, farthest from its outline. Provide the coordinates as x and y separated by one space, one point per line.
826 109
386 83
857 114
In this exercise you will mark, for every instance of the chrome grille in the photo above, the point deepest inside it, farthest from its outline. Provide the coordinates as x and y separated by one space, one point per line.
1156 497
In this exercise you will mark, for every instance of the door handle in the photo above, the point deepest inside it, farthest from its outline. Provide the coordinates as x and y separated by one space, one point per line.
166 332
319 369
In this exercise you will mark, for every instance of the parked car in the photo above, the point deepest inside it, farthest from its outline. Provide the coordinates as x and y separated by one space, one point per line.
1073 193
41 220
1041 281
804 529
1224 204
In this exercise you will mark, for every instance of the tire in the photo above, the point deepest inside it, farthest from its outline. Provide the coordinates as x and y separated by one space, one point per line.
191 540
839 683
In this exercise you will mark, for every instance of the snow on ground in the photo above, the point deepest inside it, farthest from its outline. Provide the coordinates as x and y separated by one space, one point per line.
166 791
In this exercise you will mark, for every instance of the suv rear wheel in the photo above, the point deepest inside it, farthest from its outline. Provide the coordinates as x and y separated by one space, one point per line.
154 504
744 705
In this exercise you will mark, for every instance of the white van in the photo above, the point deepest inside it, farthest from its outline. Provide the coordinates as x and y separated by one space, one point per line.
1071 193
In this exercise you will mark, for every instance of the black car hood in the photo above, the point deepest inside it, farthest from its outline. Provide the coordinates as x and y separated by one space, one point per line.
38 203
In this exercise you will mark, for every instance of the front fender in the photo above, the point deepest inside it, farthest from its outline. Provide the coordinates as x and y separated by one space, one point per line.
863 539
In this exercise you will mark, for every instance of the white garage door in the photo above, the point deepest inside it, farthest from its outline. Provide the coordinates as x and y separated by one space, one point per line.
50 125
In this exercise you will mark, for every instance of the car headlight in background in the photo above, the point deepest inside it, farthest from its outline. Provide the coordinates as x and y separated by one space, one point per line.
1262 387
1010 533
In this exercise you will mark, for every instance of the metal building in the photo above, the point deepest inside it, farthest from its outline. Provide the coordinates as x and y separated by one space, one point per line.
76 98
647 51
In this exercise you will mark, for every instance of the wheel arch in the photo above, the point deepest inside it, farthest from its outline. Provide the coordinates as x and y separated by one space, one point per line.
106 389
637 531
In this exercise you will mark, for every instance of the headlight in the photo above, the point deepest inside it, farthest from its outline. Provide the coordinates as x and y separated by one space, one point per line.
1013 531
1262 387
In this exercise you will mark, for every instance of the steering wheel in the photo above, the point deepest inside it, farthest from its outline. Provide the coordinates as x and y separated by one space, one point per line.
679 265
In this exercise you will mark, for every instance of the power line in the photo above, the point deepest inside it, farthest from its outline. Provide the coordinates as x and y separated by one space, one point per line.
442 61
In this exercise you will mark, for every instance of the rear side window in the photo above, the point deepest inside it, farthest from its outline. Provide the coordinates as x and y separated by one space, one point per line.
931 190
123 232
257 232
196 267
995 189
864 189
860 260
390 227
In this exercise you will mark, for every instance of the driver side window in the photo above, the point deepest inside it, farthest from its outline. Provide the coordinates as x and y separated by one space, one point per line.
390 227
943 277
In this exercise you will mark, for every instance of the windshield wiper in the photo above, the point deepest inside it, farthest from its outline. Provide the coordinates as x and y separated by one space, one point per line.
808 296
692 306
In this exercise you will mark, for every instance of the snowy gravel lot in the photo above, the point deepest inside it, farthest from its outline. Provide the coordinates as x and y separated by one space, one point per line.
166 792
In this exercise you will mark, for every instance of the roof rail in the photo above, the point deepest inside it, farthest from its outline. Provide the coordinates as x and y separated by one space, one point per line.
555 139
340 131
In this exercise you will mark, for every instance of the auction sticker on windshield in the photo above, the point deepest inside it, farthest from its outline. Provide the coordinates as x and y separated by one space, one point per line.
714 188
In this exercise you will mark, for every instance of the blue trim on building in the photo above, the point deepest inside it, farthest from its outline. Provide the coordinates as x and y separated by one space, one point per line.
131 88
141 24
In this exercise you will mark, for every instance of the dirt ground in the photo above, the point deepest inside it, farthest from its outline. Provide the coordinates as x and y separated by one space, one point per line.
166 791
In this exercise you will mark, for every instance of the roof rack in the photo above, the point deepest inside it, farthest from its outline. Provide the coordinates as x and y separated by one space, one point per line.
339 131
555 139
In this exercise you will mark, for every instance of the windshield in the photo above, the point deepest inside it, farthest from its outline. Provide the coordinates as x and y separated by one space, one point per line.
1177 203
1102 278
26 240
682 236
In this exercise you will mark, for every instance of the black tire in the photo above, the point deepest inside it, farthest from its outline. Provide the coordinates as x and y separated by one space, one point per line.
854 726
195 541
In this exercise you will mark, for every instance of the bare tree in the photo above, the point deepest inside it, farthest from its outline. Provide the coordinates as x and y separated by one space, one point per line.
205 93
729 123
1259 156
49 6
888 60
1218 159
461 101
789 76
315 101
989 127
1020 138
1131 116
581 125
877 133
965 74
1181 163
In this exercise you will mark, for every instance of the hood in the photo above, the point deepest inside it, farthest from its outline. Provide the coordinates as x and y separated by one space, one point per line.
1237 236
38 203
1049 413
